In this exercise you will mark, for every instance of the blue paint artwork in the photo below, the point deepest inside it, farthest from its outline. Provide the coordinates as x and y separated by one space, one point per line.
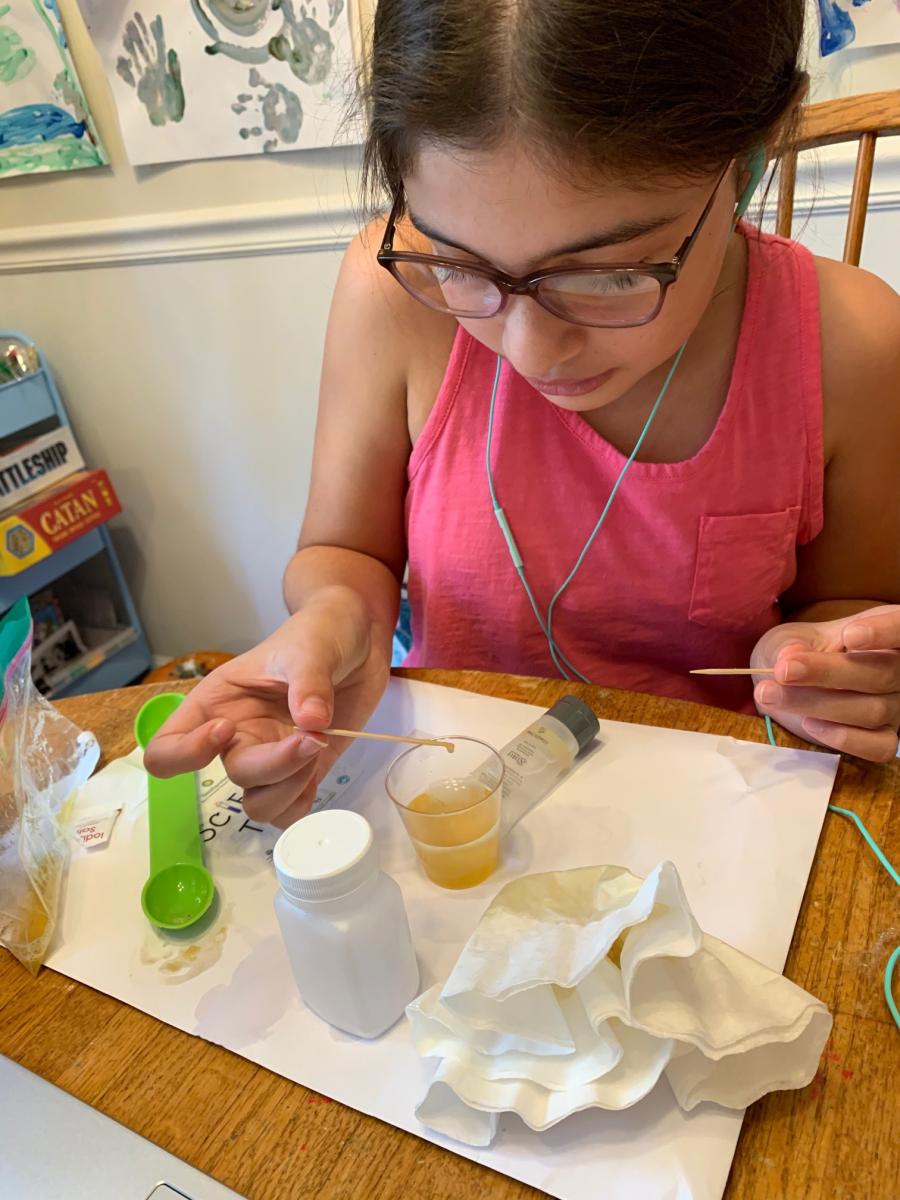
32 123
52 6
836 28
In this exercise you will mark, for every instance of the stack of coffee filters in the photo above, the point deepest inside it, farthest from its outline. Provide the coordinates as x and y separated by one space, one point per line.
581 988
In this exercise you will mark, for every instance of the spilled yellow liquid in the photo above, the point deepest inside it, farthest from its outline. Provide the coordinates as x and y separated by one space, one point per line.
455 829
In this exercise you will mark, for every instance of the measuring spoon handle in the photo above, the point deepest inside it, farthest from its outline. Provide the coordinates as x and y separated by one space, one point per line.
174 820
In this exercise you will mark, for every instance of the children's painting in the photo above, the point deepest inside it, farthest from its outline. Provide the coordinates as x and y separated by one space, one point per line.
212 78
859 24
45 124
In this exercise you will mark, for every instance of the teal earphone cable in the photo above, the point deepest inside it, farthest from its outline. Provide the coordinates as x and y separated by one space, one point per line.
845 812
873 845
547 625
562 663
888 866
511 545
612 494
755 166
500 516
889 985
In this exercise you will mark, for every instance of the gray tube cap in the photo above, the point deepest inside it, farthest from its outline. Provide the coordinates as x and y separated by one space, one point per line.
578 718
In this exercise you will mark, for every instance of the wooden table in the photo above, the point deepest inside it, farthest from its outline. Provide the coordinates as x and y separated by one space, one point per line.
272 1140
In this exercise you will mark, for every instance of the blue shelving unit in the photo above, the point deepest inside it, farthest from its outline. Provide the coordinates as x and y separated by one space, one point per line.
29 407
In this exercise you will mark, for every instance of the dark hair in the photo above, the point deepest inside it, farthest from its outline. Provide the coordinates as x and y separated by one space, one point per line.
620 87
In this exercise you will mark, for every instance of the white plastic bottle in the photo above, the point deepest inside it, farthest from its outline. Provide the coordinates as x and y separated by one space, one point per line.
344 924
537 758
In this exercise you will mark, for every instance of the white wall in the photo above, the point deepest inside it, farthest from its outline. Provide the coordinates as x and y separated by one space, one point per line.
194 383
825 177
183 310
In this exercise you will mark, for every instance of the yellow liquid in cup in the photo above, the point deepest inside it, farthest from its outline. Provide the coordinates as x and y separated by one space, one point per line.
455 829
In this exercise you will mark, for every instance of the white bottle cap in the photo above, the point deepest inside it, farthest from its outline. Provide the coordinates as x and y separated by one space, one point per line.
325 855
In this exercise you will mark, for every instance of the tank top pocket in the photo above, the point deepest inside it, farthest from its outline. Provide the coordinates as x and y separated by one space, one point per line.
744 563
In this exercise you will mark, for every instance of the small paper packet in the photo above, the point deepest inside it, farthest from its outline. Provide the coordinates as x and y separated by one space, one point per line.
94 829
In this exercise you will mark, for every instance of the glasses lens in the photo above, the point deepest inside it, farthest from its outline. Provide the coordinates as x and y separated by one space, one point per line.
603 298
449 289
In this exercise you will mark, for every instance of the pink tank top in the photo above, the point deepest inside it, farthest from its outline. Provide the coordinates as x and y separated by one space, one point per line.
689 563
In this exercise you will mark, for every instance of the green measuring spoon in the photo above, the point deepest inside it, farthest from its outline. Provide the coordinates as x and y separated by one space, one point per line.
179 889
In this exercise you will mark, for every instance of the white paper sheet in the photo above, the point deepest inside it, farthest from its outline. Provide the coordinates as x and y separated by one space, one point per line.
877 22
208 79
650 794
855 24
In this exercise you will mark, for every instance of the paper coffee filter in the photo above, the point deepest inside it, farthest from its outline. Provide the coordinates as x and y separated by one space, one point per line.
595 1052
580 988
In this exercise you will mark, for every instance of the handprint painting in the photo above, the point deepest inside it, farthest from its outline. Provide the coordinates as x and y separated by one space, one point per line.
213 78
152 70
45 124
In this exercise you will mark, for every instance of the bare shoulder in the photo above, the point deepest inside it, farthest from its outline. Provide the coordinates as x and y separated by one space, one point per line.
367 296
860 332
389 315
402 344
855 556
367 418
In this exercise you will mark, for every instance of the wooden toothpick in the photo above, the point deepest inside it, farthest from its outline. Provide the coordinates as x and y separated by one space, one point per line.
382 737
733 671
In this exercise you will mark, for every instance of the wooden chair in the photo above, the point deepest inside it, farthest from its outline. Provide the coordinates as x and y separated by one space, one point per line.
857 118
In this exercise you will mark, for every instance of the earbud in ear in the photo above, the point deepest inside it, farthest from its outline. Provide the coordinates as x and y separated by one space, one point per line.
756 165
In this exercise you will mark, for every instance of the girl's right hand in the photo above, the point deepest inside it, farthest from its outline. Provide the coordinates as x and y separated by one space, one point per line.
327 664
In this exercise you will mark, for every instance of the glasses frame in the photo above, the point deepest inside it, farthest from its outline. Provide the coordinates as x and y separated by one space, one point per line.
665 273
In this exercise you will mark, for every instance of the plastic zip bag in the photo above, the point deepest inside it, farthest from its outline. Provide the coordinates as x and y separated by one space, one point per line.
43 759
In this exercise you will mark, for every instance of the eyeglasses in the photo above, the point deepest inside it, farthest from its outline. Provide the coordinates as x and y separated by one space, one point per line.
611 296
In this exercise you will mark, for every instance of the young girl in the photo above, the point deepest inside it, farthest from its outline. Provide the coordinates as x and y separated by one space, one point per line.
614 433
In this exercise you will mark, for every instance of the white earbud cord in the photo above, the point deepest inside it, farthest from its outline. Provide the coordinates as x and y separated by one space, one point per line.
560 661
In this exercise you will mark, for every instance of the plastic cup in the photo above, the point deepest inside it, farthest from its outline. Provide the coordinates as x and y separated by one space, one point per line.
450 807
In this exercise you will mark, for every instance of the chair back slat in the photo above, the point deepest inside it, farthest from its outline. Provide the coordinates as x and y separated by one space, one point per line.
859 198
856 118
787 181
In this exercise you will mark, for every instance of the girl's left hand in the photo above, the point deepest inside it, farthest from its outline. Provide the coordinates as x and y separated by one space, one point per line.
835 682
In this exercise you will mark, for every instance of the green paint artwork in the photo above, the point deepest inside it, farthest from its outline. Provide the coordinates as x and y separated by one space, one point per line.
45 123
276 109
152 70
206 78
301 42
16 59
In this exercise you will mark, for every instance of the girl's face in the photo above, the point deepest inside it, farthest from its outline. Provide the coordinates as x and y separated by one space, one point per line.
502 209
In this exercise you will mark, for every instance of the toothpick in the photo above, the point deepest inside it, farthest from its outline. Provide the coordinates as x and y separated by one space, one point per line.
733 671
385 737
